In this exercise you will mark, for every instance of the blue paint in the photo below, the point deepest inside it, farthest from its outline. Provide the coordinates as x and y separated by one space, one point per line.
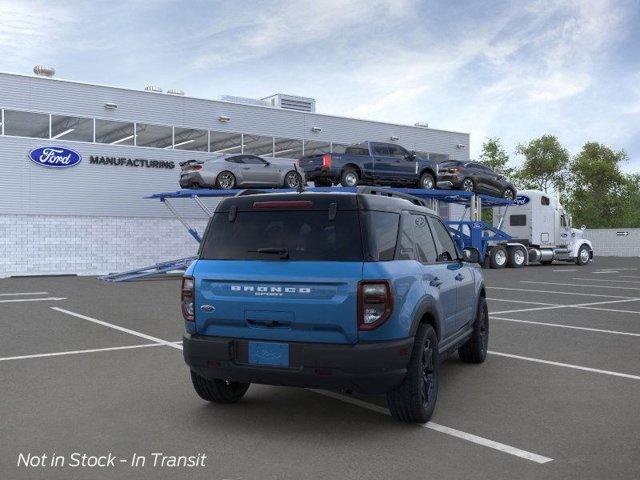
55 157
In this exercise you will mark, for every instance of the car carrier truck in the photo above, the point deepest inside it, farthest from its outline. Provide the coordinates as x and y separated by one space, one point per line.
540 231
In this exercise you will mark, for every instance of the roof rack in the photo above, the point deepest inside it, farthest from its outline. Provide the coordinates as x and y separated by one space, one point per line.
387 192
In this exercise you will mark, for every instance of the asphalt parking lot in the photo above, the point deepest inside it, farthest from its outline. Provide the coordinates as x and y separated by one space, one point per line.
96 368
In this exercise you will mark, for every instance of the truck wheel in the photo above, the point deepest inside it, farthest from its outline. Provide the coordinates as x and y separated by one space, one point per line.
349 177
583 255
475 349
415 399
218 391
498 257
468 185
426 182
517 257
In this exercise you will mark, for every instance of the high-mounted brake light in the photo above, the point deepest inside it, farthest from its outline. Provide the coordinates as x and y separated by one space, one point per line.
326 161
375 303
284 204
187 299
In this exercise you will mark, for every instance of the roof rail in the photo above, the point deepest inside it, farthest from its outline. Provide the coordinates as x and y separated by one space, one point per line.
387 192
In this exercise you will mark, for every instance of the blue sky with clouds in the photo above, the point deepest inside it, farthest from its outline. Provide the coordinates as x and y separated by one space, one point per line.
514 70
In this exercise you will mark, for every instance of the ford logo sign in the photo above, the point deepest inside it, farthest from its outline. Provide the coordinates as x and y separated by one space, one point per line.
55 157
521 200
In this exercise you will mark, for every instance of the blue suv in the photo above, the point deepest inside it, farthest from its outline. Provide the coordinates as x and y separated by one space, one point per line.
360 292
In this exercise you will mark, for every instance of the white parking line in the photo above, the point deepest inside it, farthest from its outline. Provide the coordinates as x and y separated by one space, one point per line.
469 437
605 280
22 293
118 327
609 310
520 301
629 276
605 272
76 352
577 305
581 285
565 365
46 299
559 325
567 270
532 309
559 293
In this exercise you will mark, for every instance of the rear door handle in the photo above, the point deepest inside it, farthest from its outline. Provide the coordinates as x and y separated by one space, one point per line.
459 277
436 282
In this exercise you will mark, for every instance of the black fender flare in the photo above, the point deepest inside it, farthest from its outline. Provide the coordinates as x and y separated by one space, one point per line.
427 306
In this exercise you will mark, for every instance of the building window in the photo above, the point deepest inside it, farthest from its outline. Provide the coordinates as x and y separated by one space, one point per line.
258 145
190 139
157 136
26 124
114 133
224 142
311 147
287 148
72 128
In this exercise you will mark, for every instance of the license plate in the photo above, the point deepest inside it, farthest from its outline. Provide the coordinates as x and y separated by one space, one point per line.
267 353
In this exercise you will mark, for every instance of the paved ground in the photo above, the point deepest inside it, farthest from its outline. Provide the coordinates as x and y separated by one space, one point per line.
560 392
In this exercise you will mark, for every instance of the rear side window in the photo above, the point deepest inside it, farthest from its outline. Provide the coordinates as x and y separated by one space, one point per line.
397 151
381 233
303 234
416 241
381 150
517 220
544 201
446 249
357 151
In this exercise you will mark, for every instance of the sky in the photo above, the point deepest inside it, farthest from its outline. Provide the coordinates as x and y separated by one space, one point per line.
513 70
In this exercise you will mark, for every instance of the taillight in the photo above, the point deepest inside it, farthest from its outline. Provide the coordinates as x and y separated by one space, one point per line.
326 161
375 303
186 300
197 167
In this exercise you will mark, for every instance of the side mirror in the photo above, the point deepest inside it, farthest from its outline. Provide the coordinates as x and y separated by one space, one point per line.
267 163
471 255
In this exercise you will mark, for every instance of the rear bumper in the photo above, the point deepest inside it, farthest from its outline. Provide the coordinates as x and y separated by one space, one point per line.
315 173
365 367
188 180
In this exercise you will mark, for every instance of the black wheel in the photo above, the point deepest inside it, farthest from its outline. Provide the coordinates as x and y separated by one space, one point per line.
349 177
468 185
516 257
415 399
292 179
218 391
498 257
226 180
427 181
509 194
584 255
474 350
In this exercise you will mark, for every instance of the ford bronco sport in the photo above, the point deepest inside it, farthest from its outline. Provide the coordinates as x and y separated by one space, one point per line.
362 291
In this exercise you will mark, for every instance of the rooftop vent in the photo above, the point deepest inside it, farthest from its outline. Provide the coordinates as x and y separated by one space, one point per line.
153 88
175 91
244 100
422 124
44 71
292 102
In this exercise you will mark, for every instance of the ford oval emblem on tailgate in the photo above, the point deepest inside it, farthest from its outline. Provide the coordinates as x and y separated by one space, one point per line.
55 157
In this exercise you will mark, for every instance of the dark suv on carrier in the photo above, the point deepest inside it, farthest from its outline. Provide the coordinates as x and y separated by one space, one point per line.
475 177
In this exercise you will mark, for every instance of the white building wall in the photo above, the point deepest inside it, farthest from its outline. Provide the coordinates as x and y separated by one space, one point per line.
610 242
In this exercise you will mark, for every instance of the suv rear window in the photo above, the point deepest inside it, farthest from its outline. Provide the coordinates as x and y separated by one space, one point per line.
304 234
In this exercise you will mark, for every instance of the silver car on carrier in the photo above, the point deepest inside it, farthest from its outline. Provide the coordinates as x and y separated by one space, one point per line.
239 171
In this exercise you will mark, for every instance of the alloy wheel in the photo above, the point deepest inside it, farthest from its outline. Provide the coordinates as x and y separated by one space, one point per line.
351 179
292 180
467 185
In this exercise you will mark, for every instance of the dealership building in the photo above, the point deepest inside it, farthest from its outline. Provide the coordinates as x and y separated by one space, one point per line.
91 217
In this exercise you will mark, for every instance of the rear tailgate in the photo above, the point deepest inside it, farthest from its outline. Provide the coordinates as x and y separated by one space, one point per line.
278 300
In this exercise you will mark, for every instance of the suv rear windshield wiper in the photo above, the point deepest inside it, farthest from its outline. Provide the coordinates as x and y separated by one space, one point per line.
283 252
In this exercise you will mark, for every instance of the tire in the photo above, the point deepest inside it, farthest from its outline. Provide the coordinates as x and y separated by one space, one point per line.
498 257
292 179
517 257
414 400
468 185
427 181
218 391
509 194
349 177
474 350
226 180
583 255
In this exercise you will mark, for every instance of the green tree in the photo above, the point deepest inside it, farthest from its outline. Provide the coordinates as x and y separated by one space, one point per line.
600 193
545 164
495 156
632 214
